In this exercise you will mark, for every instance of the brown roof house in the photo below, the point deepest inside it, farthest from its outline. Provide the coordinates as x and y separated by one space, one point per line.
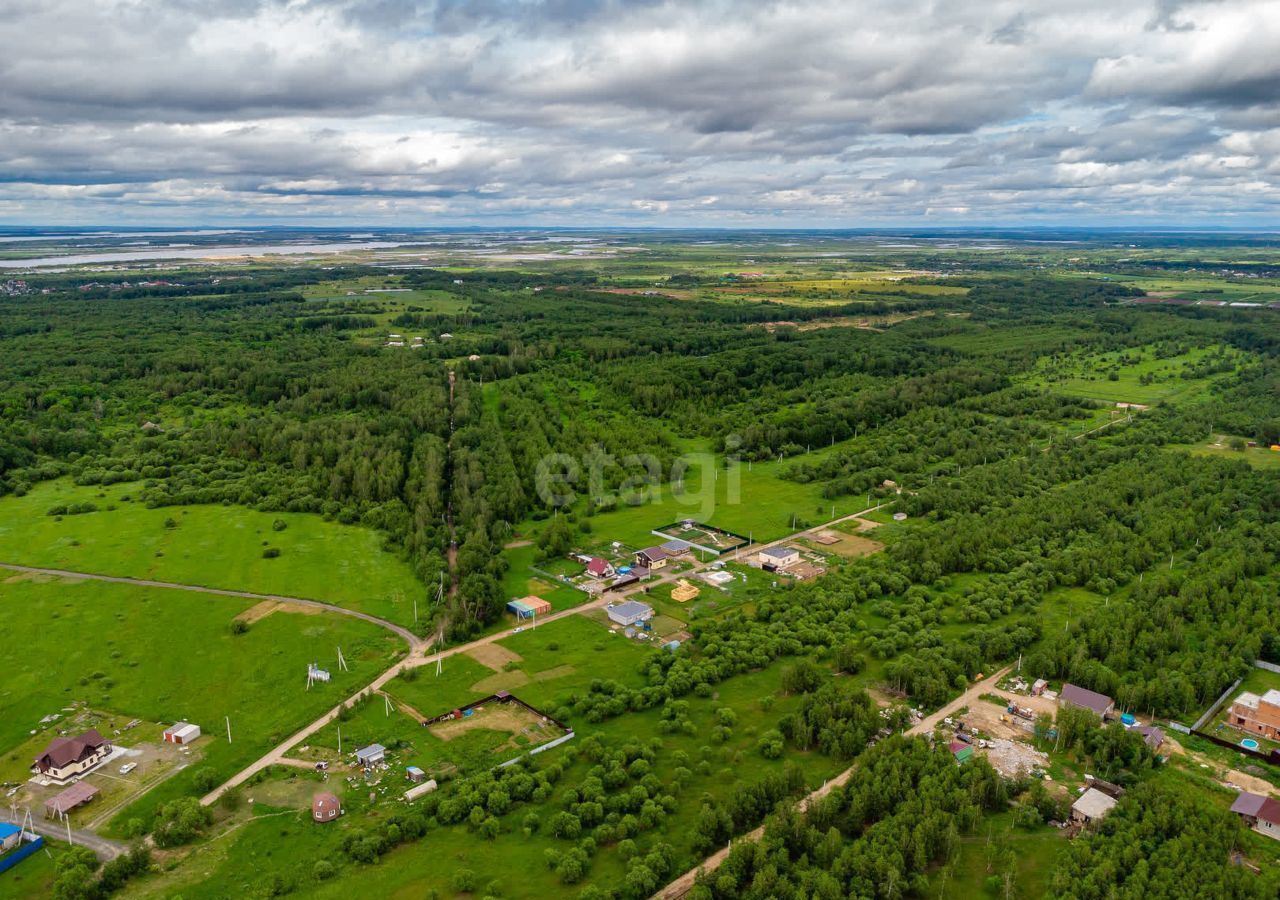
68 757
1074 695
325 807
1260 813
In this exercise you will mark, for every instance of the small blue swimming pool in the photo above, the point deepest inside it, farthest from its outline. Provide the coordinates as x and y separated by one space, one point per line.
1249 744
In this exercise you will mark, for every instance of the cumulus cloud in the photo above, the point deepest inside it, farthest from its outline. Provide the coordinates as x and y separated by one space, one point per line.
638 111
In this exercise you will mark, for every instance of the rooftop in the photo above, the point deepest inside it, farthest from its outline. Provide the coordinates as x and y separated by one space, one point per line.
632 608
778 552
1094 804
1248 804
80 792
1083 697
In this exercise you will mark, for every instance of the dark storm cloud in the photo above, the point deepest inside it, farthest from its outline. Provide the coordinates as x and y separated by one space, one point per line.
650 110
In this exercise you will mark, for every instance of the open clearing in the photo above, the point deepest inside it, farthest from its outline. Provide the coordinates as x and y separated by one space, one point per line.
495 656
211 546
163 656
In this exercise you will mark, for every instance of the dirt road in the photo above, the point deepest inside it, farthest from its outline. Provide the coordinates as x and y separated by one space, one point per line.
685 882
408 636
106 849
417 658
968 698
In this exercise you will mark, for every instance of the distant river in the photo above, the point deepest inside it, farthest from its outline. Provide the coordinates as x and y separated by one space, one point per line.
199 253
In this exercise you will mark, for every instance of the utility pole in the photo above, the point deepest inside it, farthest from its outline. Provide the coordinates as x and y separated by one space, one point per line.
228 718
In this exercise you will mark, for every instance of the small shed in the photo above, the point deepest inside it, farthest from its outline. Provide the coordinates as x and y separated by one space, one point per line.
414 774
371 755
960 750
420 790
325 807
1038 686
78 794
1092 806
10 836
181 733
536 605
675 547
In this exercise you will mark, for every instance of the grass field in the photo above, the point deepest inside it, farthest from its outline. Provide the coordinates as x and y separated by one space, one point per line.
212 546
984 855
984 340
512 865
33 877
749 499
1218 446
1136 375
164 655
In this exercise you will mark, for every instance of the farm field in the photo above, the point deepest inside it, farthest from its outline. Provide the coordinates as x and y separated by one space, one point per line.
164 656
211 546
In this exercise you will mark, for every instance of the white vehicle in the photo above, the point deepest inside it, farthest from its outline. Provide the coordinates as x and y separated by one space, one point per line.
127 768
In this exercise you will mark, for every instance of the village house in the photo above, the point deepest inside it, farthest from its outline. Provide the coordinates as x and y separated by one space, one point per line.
67 757
652 558
1260 813
325 807
775 559
599 568
1073 695
1257 715
630 612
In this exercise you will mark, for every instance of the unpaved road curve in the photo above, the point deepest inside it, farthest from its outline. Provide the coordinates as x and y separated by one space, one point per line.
416 660
408 636
682 885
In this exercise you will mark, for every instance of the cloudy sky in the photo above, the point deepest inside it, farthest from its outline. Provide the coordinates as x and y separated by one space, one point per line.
852 113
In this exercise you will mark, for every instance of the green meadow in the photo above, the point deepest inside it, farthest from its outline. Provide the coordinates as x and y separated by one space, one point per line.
1136 375
751 499
210 546
163 655
285 842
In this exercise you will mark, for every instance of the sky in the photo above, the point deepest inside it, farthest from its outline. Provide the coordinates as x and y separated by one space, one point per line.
631 112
